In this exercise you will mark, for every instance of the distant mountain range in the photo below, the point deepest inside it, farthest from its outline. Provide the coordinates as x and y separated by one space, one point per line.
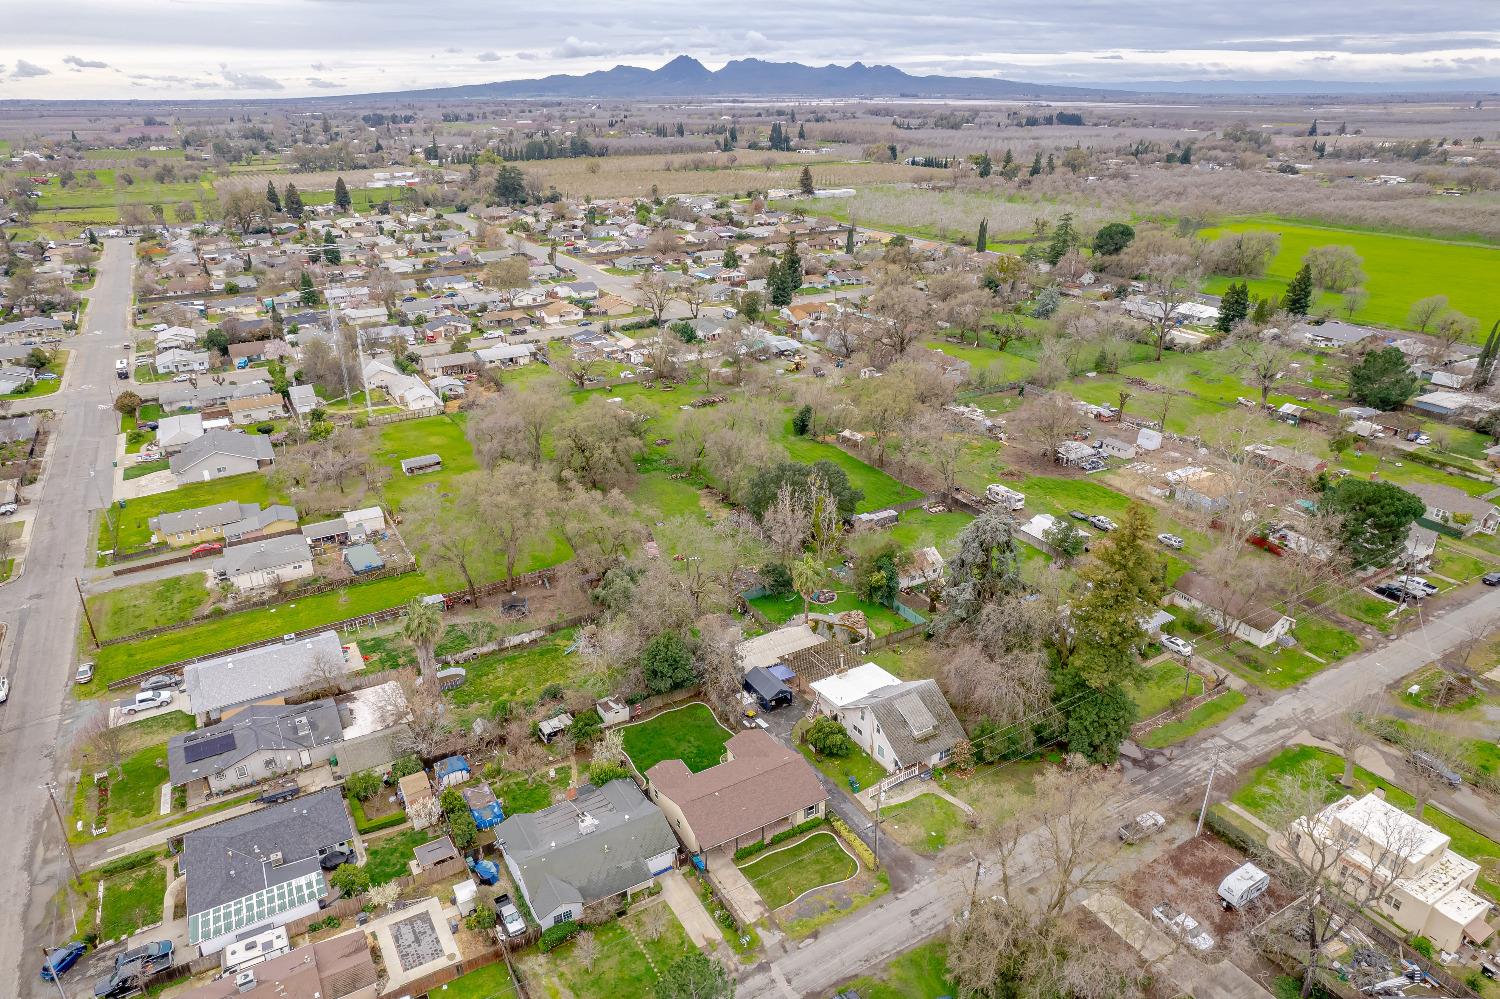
687 77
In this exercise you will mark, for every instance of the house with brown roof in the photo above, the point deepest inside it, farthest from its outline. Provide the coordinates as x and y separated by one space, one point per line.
337 968
760 789
257 409
1260 626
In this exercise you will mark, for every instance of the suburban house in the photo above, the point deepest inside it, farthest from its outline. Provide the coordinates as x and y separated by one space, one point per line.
1333 335
261 870
1261 626
176 361
926 567
256 409
421 804
273 520
221 453
406 390
1432 895
304 399
831 695
174 433
506 355
339 967
903 725
604 843
206 523
261 742
760 789
266 563
1455 508
221 687
1202 490
352 526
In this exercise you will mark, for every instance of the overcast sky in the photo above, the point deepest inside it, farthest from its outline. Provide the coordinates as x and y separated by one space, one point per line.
284 48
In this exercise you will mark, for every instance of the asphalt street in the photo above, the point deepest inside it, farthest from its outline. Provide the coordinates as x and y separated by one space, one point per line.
40 609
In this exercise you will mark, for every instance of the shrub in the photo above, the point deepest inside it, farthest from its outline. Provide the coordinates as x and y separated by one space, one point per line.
828 738
265 428
130 863
781 837
667 663
406 765
555 936
802 421
602 773
776 579
1422 946
350 880
482 918
586 726
865 854
363 785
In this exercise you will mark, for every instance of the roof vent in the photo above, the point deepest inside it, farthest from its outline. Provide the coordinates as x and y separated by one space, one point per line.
587 824
245 981
276 859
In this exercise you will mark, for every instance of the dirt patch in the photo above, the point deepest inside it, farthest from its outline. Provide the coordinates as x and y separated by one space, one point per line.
1188 877
840 897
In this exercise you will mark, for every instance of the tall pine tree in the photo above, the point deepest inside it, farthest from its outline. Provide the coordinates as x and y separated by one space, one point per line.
293 201
341 197
272 198
1298 298
982 241
1234 305
849 241
1036 165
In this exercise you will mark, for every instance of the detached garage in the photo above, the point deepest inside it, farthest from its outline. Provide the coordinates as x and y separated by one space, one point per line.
767 689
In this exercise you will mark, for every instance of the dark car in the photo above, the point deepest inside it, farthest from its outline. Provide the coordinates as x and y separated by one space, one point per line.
1078 515
336 858
167 681
154 956
1393 593
118 984
1490 579
60 960
1430 766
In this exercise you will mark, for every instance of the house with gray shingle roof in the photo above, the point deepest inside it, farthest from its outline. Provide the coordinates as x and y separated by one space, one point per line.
218 688
221 453
605 842
259 743
904 724
266 563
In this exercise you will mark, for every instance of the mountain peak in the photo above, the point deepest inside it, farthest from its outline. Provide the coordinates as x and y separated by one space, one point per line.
684 64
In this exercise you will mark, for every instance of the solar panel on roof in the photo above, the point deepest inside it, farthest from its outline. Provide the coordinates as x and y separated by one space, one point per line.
202 749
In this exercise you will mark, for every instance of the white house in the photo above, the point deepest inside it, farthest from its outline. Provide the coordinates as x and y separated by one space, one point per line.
409 390
265 563
179 361
1260 626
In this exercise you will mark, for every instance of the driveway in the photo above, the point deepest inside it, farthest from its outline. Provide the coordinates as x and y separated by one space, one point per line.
700 927
736 890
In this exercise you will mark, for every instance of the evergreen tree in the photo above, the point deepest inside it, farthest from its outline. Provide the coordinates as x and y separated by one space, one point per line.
801 134
1383 379
1298 298
734 134
341 197
1007 160
680 131
1234 305
849 241
1036 165
510 185
986 165
1051 164
982 240
292 202
272 198
805 182
731 259
1064 238
791 263
1186 156
1484 370
1263 311
1314 129
308 294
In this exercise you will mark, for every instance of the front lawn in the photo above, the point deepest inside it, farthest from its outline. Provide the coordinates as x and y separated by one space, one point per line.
782 875
387 857
131 900
690 734
133 796
1456 565
920 973
1205 715
125 529
628 962
1319 644
780 610
1165 683
858 764
927 823
147 605
44 386
490 982
920 529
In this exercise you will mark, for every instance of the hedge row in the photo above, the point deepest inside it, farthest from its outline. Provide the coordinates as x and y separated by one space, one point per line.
1233 830
367 825
129 863
781 837
866 855
555 936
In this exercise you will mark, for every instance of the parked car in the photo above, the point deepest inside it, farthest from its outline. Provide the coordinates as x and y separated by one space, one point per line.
336 858
207 548
85 673
1174 644
4 689
1141 826
510 916
1170 540
120 983
61 959
148 701
154 956
1393 593
1078 515
1431 766
1414 584
1182 926
1490 579
182 377
6 509
167 681
1102 522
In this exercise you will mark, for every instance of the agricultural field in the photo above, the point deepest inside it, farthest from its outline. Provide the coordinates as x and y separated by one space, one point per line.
1401 269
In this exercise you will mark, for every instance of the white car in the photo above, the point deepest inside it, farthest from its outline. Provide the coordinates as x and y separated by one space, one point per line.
182 378
148 701
1182 926
1102 522
1174 644
1170 540
4 689
1415 584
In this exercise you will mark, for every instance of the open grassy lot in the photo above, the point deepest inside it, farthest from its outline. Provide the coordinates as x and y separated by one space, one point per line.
387 856
927 823
131 900
134 791
781 875
1205 715
490 982
1258 795
1319 644
1459 566
919 529
920 973
432 435
147 605
880 489
518 793
689 733
1401 269
882 620
1002 365
515 676
126 529
1409 472
628 962
1166 682
858 764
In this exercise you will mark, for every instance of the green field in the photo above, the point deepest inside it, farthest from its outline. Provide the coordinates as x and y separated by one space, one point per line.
147 605
690 734
1164 684
881 491
386 858
134 792
779 610
1401 269
431 435
920 529
490 982
131 521
782 875
131 900
1205 715
927 823
628 962
515 676
920 973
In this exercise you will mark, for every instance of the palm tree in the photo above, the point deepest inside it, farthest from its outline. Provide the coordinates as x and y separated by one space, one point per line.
807 574
421 627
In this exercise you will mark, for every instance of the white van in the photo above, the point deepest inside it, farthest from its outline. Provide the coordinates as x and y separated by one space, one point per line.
1008 498
1243 886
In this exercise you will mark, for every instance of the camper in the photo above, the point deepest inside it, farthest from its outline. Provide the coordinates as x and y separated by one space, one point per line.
1007 498
1243 886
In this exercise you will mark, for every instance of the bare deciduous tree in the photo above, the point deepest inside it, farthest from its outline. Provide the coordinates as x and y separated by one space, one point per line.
654 294
1171 281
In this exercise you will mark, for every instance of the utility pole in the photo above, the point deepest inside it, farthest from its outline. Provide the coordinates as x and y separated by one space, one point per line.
978 873
879 800
56 978
86 616
1202 812
62 826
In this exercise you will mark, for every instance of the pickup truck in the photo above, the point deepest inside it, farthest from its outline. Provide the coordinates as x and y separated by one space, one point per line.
1141 826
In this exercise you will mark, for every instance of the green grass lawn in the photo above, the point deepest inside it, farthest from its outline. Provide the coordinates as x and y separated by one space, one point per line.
1458 566
662 498
388 856
628 964
132 900
489 982
858 764
1165 683
135 792
147 605
881 491
519 794
882 620
1205 715
782 875
46 386
131 521
1409 473
927 823
690 734
432 435
1258 796
920 973
1003 366
216 634
1279 668
920 529
1357 605
1401 269
515 676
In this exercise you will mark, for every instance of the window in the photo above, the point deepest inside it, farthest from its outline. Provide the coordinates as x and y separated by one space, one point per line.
809 811
1393 903
242 771
270 763
562 917
857 730
880 751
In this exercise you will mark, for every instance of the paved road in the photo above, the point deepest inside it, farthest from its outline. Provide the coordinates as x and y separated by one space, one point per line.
40 610
880 932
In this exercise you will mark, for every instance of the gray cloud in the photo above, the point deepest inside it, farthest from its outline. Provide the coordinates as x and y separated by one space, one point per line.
488 57
75 61
26 69
247 81
321 84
